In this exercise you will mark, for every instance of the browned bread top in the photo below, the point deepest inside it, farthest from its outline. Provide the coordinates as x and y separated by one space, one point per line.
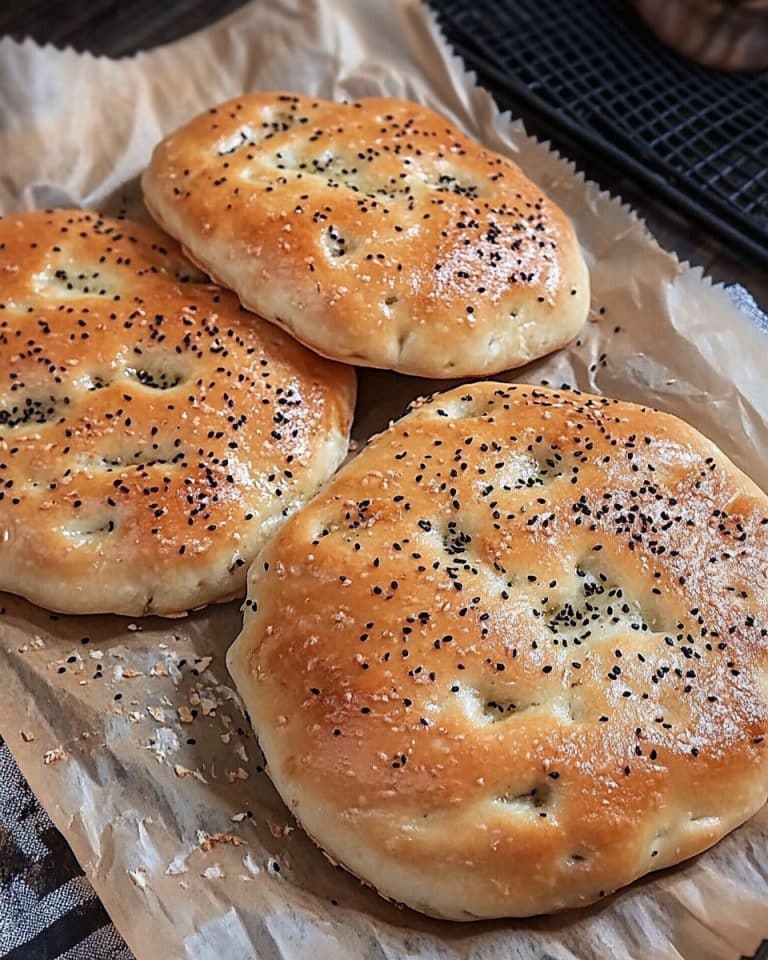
152 432
515 655
375 232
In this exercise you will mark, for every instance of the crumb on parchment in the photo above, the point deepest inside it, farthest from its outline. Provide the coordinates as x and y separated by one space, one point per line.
138 877
185 714
207 841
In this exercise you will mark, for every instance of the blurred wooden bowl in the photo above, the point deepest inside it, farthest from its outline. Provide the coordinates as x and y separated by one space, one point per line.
727 34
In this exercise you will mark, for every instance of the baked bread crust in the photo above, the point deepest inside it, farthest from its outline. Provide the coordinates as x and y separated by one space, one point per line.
375 232
515 654
152 432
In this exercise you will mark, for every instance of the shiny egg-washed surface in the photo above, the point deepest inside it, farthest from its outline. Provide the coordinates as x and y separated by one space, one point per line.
515 655
152 432
375 232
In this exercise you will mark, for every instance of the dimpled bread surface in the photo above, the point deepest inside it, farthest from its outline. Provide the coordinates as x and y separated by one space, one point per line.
515 654
375 232
152 432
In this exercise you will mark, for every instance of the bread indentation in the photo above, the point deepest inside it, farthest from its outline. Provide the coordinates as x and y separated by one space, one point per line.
154 376
528 470
94 381
335 243
356 175
492 705
355 516
453 541
246 136
576 860
455 183
468 406
344 171
498 708
598 605
112 462
274 122
29 411
705 821
89 524
386 308
324 530
456 541
536 799
74 282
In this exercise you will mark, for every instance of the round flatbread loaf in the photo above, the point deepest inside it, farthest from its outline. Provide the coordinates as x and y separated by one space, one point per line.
152 432
375 232
515 655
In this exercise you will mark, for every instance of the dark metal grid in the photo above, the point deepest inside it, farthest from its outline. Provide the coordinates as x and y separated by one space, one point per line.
591 69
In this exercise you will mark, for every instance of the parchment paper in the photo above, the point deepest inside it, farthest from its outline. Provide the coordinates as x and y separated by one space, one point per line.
129 733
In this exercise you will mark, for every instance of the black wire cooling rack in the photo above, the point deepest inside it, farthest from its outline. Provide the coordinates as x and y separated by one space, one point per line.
592 70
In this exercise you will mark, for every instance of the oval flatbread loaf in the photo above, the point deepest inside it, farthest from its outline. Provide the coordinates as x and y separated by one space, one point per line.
375 232
515 655
152 432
